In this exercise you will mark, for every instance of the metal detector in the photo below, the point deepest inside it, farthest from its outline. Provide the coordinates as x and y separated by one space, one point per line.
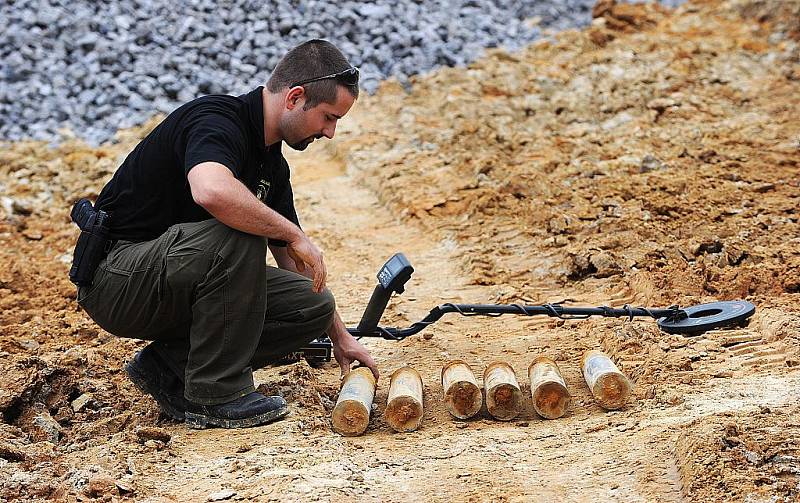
395 273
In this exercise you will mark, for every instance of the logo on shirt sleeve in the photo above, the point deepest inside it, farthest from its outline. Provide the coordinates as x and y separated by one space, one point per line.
263 190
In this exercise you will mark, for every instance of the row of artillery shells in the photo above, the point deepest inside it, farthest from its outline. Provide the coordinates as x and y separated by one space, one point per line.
350 416
463 396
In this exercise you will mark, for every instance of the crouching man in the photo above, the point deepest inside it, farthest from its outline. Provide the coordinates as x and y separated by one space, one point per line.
192 211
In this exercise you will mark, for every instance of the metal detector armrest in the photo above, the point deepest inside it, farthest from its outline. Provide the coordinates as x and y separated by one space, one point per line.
392 277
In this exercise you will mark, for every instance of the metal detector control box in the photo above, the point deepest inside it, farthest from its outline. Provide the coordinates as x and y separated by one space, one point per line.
395 273
391 278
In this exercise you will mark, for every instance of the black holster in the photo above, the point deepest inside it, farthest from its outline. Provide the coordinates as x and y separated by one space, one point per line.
93 244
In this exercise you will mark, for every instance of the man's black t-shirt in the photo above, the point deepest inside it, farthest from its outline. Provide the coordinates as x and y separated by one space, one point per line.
150 192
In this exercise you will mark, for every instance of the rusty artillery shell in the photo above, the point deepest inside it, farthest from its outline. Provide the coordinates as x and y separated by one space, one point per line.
350 416
461 391
548 389
609 386
404 406
503 396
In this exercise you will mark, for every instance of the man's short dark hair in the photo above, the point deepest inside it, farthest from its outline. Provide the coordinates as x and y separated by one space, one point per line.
311 59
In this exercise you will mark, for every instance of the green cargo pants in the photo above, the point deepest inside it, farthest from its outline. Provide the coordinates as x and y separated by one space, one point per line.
203 292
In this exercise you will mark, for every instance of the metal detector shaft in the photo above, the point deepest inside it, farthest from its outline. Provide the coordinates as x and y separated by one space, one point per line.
552 310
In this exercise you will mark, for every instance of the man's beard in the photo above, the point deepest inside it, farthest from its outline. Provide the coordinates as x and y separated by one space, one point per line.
302 145
294 124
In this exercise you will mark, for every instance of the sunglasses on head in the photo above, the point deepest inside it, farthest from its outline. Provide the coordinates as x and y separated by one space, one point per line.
348 77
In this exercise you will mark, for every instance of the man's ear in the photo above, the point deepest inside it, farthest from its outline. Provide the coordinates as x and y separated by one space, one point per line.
295 97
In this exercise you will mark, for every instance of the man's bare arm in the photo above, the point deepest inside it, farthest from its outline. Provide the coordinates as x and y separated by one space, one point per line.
285 261
214 187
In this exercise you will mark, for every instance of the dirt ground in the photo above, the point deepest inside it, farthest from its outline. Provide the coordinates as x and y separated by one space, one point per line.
652 159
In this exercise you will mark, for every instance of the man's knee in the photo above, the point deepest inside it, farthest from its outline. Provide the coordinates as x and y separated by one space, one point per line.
212 236
327 304
318 309
318 313
241 246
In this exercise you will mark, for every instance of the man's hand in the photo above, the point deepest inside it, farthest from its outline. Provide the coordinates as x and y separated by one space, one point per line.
346 349
305 253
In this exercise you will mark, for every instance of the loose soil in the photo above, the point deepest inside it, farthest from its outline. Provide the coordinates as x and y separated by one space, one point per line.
652 159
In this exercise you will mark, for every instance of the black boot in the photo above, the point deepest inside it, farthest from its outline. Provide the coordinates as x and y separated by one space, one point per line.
250 410
153 376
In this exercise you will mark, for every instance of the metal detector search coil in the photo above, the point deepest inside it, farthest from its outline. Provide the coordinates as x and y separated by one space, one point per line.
706 317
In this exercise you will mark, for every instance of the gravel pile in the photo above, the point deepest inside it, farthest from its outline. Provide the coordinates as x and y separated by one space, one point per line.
93 67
